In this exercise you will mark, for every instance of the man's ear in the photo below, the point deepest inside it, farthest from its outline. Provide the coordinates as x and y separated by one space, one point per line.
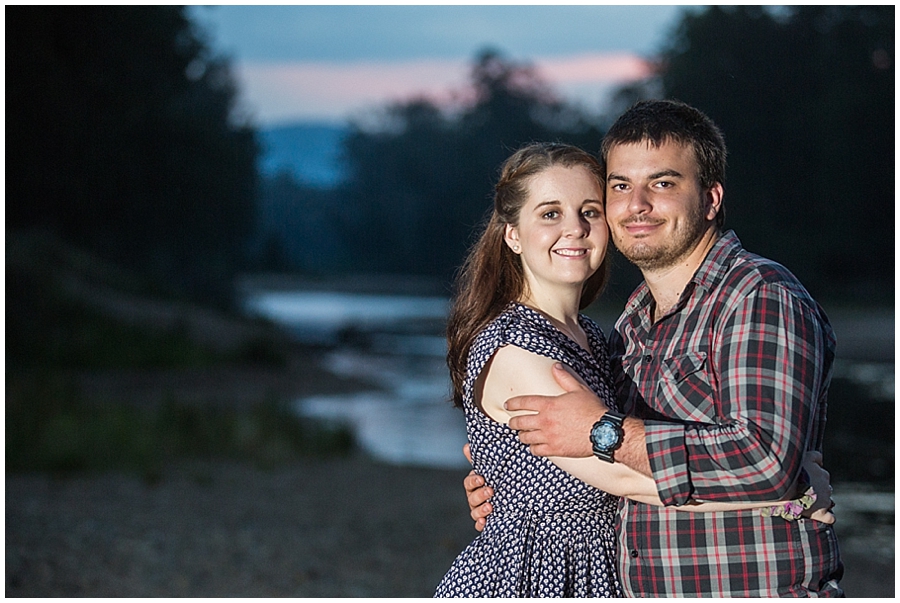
511 236
714 196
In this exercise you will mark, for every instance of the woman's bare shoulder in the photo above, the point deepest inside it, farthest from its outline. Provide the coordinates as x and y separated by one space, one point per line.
514 371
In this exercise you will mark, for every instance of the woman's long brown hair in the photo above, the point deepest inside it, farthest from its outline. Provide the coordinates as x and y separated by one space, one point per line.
492 276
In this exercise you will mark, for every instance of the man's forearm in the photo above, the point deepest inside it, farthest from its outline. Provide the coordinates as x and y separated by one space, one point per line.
633 451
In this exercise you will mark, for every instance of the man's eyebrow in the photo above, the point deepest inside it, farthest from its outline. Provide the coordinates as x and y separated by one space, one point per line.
664 173
660 174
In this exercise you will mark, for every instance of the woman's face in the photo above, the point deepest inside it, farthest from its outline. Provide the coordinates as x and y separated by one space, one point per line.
562 232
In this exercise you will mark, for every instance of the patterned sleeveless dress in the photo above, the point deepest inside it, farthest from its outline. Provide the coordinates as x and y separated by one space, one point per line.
550 534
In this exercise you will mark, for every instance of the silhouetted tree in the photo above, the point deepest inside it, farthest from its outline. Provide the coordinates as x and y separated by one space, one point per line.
421 181
805 96
120 137
299 228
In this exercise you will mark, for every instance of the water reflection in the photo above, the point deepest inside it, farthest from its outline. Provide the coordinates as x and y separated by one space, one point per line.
323 317
397 342
394 341
412 421
876 377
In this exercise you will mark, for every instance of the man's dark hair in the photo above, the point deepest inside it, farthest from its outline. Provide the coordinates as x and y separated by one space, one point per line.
661 121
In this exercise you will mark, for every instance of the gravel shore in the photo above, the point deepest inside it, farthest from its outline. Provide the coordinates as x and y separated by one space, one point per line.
322 528
343 527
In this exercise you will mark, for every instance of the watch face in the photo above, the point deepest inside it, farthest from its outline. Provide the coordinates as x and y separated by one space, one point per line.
605 436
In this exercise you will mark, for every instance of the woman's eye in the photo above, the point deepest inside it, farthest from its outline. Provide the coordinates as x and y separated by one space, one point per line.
551 215
591 213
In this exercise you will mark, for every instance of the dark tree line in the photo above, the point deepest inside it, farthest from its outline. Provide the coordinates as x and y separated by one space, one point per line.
805 96
806 100
418 187
419 182
120 138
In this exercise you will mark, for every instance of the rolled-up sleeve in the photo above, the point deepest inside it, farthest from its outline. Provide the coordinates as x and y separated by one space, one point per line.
766 376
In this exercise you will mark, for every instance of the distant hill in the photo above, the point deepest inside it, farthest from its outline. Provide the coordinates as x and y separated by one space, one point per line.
310 151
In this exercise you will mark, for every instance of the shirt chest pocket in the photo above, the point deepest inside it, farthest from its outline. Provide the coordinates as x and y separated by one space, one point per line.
685 390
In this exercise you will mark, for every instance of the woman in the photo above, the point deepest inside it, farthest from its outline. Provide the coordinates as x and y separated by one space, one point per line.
540 260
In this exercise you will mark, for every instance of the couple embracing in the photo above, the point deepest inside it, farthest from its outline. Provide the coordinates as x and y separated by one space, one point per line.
678 458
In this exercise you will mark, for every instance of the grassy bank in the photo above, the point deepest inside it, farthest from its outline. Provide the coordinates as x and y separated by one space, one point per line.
55 337
49 427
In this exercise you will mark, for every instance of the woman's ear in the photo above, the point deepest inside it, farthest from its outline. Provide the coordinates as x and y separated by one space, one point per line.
511 236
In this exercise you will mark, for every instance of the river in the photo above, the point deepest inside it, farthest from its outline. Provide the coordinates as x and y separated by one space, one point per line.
397 342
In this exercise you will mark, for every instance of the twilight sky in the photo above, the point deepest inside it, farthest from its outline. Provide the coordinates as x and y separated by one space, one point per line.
328 62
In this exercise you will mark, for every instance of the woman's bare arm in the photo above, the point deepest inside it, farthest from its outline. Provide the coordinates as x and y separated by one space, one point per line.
514 371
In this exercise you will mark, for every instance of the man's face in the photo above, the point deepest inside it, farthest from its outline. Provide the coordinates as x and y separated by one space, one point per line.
656 209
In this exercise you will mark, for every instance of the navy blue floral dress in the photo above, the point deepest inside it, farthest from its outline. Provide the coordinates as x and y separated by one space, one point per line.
550 534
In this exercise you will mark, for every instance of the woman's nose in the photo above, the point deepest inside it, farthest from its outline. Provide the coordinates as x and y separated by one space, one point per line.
576 226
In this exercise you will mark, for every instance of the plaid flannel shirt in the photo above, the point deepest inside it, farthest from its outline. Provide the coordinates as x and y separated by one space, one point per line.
732 385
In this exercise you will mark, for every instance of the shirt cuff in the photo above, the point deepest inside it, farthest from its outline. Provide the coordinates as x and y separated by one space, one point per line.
668 461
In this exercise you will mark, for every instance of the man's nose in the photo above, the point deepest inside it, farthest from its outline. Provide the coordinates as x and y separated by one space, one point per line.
639 201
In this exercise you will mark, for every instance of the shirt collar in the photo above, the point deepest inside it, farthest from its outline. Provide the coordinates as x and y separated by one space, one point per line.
708 275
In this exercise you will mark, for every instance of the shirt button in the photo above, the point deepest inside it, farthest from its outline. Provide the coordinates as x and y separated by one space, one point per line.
634 553
648 358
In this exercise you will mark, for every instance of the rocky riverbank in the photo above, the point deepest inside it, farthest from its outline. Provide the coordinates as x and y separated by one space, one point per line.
340 527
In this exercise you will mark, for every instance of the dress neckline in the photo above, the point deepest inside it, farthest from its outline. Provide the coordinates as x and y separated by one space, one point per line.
594 343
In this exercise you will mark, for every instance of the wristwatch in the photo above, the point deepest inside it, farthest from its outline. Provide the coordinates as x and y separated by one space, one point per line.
607 435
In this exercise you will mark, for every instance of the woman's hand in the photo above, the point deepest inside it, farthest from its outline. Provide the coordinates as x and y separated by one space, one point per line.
820 480
477 494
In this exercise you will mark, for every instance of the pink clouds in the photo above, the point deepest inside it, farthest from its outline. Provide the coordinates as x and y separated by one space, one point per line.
331 90
280 92
597 68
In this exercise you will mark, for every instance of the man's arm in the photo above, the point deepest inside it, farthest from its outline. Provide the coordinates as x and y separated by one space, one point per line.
767 370
514 371
770 368
578 400
562 425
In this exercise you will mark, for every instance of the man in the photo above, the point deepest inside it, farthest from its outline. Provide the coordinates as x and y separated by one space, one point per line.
722 362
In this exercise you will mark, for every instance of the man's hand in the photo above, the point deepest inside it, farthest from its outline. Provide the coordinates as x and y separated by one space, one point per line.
477 494
562 425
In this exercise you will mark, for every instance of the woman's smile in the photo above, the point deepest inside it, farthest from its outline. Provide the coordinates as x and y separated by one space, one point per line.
571 252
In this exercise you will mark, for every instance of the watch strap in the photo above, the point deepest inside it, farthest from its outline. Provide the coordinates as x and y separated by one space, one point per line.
616 420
